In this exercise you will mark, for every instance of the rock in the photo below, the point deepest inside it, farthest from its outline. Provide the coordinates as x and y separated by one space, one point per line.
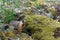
35 23
57 32
6 26
24 36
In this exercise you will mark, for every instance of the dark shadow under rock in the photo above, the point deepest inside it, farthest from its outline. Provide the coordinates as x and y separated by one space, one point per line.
57 32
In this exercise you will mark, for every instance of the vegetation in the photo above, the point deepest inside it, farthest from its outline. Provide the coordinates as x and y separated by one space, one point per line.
42 28
35 14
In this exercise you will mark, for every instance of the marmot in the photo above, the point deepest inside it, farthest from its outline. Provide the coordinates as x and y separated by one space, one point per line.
18 25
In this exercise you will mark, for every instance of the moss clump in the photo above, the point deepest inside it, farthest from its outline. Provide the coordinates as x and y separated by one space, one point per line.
42 28
24 36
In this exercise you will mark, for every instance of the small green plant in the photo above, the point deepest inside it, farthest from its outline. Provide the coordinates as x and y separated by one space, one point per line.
9 15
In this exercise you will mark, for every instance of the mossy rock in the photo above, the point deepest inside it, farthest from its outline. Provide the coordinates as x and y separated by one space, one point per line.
25 36
53 11
41 27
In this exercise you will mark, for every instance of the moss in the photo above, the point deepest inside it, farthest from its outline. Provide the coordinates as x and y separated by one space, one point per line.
2 36
53 11
10 34
37 22
24 36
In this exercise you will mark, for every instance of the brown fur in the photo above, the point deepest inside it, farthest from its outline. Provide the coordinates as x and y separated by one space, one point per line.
21 26
18 25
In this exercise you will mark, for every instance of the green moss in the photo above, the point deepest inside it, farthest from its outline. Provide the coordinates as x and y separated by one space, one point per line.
53 11
24 36
37 22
